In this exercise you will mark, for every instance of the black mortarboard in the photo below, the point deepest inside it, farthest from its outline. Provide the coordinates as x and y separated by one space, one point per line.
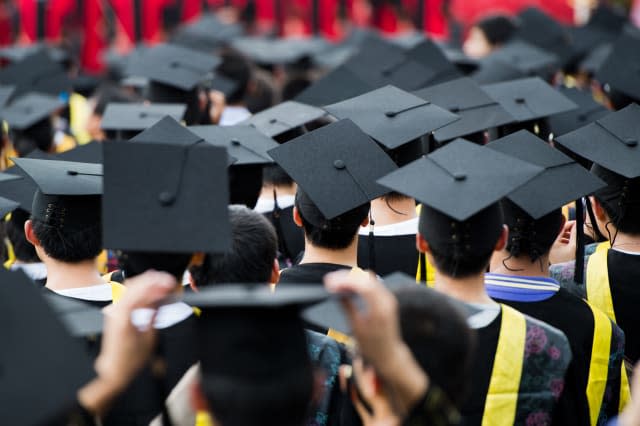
81 319
87 153
461 178
47 386
621 69
542 30
428 54
529 98
169 198
5 94
561 182
526 58
174 66
168 131
392 116
588 111
339 84
30 109
264 341
336 166
7 206
611 141
68 194
206 33
495 70
21 189
593 61
137 117
279 51
36 73
244 143
463 97
15 53
283 117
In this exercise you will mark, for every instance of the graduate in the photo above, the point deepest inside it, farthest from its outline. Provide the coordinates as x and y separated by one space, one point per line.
335 168
610 272
488 34
459 235
520 278
64 227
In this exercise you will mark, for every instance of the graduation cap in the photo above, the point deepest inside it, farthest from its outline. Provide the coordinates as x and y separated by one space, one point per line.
68 194
611 141
137 117
604 26
593 61
36 73
18 189
463 97
430 55
279 51
336 166
246 144
87 153
622 67
392 116
283 117
169 198
529 98
30 109
16 53
168 131
562 181
206 33
81 319
493 70
5 94
47 386
339 84
525 58
588 111
542 30
7 205
476 175
252 320
174 66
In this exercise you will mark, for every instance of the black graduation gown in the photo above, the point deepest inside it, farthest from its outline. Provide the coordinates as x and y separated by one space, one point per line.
308 273
290 235
574 318
624 279
95 303
395 253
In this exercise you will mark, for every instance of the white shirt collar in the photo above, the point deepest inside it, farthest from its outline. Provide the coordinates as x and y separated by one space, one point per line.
266 205
407 227
94 293
232 115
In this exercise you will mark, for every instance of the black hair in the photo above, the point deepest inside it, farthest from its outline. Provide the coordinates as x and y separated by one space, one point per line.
136 263
250 260
71 244
620 199
294 86
528 236
273 174
245 184
463 266
23 249
237 68
335 234
38 136
498 29
262 95
428 321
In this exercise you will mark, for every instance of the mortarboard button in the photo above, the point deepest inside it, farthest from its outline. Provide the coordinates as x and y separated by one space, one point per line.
339 164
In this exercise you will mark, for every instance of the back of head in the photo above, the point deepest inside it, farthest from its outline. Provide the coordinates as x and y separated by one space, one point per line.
68 227
250 259
23 249
39 136
620 200
237 68
272 174
429 321
527 236
498 29
245 183
461 249
335 234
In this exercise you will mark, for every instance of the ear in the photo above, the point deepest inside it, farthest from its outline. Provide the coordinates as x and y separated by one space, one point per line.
297 219
421 244
192 283
275 272
365 222
30 234
598 210
502 241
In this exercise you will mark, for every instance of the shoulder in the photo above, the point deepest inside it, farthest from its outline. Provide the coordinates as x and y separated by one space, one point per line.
546 344
564 273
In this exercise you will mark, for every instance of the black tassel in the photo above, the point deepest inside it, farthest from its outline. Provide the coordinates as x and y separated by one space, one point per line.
578 275
371 244
423 267
592 217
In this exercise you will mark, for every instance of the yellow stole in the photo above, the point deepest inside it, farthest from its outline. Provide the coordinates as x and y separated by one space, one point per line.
502 398
599 295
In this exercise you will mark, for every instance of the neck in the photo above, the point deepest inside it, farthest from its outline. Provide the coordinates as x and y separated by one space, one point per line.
281 190
63 276
521 265
396 210
469 289
347 256
627 242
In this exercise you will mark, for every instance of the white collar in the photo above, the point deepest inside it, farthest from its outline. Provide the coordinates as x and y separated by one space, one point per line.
266 205
35 271
232 115
407 227
487 314
167 316
94 293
